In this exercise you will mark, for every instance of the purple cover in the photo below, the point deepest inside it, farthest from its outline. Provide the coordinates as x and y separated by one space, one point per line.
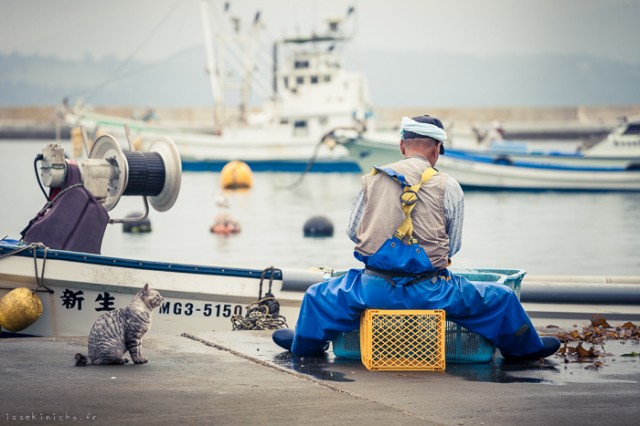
73 221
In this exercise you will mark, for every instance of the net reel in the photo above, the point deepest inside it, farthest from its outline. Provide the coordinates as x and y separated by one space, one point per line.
109 173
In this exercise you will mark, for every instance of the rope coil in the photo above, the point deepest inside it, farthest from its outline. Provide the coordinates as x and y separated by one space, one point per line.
263 314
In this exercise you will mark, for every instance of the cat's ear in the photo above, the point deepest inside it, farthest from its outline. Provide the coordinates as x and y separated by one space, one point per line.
146 287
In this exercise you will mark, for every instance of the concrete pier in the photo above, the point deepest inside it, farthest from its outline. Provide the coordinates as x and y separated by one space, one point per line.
241 377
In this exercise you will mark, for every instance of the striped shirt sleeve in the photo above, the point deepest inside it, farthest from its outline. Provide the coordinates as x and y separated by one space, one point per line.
454 214
357 210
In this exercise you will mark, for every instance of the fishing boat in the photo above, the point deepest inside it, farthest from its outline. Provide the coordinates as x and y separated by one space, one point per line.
76 287
310 92
611 165
478 172
619 149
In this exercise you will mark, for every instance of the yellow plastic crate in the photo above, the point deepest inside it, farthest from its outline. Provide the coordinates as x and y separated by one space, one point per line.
403 339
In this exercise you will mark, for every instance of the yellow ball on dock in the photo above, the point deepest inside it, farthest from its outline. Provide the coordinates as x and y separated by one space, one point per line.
19 308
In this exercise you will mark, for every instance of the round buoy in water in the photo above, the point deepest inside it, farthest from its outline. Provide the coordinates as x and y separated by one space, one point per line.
318 226
19 308
236 175
137 227
225 225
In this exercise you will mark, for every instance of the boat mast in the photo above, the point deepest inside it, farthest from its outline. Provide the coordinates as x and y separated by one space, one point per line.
212 69
243 57
249 67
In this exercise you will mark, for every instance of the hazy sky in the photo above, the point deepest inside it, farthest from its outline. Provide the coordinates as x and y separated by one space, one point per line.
155 29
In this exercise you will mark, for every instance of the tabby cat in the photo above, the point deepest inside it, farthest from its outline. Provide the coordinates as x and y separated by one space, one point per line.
121 330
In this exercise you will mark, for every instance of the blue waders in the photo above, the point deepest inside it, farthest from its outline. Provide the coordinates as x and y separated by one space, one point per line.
400 276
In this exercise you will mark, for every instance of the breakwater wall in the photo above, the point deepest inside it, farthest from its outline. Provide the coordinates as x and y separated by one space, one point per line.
41 121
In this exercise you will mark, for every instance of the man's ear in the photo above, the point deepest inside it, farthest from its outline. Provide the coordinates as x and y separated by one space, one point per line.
402 147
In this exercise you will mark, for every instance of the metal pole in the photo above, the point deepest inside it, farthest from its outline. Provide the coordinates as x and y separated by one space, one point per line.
212 69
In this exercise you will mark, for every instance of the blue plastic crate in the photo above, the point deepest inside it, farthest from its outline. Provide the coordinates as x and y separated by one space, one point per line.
461 345
513 277
347 345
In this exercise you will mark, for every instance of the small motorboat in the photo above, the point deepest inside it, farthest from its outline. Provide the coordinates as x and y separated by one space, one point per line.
611 165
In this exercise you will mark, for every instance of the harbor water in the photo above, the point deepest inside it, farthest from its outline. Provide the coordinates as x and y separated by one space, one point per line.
545 233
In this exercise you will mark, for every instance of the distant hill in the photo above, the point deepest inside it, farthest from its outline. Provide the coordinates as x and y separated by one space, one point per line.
395 79
447 80
33 80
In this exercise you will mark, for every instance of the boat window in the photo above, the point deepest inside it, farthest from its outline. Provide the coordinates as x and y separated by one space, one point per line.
300 80
323 121
327 78
301 64
286 82
632 129
314 79
284 121
300 127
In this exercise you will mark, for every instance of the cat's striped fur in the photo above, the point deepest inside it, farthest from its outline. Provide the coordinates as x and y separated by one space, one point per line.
121 330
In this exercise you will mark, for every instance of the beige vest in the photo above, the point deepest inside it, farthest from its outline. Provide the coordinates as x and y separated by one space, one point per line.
383 211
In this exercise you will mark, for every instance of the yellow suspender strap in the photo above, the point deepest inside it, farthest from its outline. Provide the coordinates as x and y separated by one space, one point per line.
409 199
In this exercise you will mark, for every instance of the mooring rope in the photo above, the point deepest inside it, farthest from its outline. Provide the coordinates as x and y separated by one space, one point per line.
328 139
33 247
310 164
263 314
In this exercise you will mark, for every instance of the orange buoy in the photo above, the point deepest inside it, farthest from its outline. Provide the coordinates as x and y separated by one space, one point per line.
225 225
236 175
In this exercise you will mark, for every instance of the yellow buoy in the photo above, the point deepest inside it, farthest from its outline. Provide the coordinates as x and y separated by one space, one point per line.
19 308
236 175
138 143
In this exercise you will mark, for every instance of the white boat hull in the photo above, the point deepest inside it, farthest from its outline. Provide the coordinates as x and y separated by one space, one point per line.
263 149
552 158
474 174
197 298
480 171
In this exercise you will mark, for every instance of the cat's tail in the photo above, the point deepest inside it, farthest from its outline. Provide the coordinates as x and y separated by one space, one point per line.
81 360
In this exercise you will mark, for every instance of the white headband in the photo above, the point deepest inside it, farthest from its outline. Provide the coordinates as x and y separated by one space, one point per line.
424 129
